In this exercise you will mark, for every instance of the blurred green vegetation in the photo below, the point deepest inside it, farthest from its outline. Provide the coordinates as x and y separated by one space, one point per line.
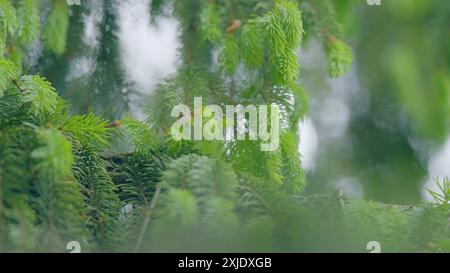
402 60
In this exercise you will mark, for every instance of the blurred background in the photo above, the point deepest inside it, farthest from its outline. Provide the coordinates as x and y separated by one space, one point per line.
382 132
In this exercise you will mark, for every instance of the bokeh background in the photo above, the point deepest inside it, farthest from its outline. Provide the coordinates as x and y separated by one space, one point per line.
381 132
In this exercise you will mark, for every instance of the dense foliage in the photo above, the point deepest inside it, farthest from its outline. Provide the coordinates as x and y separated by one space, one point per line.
62 177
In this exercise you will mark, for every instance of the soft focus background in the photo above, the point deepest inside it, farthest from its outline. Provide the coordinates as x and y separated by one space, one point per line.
381 132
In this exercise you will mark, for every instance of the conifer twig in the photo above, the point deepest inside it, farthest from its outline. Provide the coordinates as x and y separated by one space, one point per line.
147 218
17 85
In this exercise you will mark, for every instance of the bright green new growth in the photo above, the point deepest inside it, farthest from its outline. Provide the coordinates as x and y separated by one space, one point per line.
8 71
8 22
56 29
284 30
29 18
340 58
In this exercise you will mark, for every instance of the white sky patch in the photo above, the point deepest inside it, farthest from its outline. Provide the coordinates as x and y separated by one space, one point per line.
91 23
334 117
86 63
308 144
149 52
80 67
